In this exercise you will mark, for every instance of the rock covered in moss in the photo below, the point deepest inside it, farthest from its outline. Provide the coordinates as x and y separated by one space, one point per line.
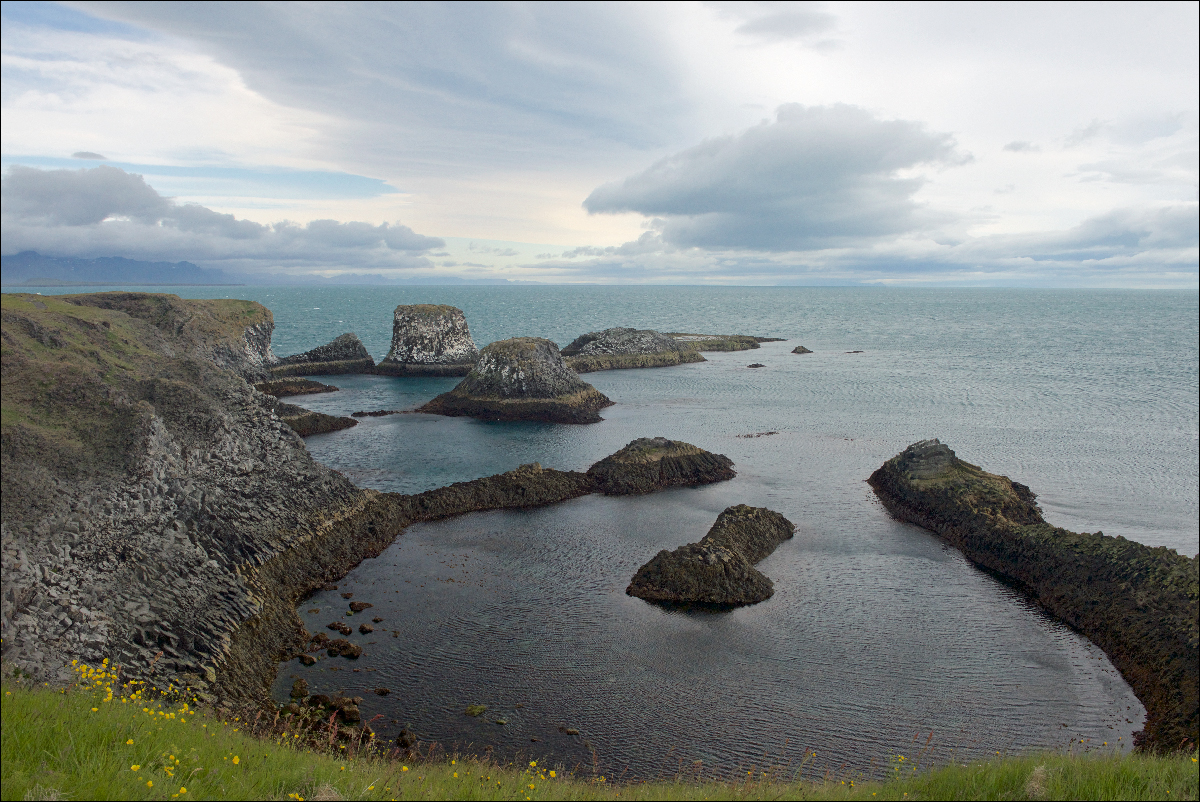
524 378
719 569
1137 603
345 354
429 340
618 348
653 463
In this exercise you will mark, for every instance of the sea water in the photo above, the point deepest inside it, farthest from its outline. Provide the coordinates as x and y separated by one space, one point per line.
879 638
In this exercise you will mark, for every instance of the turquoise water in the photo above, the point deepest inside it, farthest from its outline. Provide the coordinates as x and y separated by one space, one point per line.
877 631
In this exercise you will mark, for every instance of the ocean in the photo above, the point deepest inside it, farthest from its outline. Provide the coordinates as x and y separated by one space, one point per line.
879 638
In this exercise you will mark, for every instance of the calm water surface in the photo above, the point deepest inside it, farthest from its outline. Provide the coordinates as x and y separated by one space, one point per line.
877 631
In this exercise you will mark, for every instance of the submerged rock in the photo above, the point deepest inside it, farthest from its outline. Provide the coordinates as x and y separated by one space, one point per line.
718 570
307 422
524 378
346 354
1139 604
653 463
429 340
618 348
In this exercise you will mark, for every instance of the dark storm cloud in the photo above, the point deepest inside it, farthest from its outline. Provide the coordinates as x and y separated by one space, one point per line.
106 211
819 176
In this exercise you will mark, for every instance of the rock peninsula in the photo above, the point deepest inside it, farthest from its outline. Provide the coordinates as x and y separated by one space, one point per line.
429 340
618 348
655 463
345 354
524 378
1137 603
719 569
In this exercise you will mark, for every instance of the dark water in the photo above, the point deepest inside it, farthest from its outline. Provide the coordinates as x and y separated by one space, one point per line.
877 632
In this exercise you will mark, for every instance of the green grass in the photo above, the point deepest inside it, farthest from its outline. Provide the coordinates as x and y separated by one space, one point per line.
89 743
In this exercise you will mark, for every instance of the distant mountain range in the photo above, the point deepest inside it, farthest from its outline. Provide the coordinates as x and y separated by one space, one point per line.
32 269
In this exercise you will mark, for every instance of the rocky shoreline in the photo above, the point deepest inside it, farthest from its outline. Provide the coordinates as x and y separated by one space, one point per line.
1139 604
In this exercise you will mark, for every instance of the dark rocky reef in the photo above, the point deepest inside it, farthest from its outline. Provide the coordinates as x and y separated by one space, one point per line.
345 354
720 342
307 422
429 340
524 378
719 570
285 387
800 349
618 348
1139 604
654 463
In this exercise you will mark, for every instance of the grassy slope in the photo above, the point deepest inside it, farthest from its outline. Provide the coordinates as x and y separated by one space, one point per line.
86 743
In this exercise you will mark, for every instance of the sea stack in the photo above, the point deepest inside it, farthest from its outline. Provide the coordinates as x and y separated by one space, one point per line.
617 348
346 354
1137 603
719 570
654 463
429 340
524 378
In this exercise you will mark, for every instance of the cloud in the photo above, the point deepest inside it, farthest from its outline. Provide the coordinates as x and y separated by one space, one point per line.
87 154
105 211
776 21
817 177
1021 146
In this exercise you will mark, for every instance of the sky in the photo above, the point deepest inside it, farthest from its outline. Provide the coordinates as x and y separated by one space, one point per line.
928 144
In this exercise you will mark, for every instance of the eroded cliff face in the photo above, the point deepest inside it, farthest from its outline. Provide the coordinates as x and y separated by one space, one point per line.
143 483
429 340
1139 604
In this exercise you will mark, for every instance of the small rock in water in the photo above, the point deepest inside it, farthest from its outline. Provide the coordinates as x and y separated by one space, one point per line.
347 595
756 365
475 710
376 619
382 691
339 626
307 659
299 689
358 607
363 629
800 349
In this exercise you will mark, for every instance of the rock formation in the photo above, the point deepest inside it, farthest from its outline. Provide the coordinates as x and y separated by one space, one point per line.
618 348
720 342
285 387
429 340
1139 604
719 570
653 463
307 422
800 349
346 354
524 378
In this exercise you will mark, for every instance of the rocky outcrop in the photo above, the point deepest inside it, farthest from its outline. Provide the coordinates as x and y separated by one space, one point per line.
720 342
429 340
345 354
285 387
800 349
524 378
618 348
306 422
719 570
654 463
1139 604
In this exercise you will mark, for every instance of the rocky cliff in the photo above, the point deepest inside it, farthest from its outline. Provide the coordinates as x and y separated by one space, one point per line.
524 378
1139 604
345 354
619 348
719 569
654 463
429 340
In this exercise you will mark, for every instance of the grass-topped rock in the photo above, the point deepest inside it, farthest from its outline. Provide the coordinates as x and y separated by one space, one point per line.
1139 604
720 342
429 340
345 354
524 378
618 348
294 386
653 463
719 570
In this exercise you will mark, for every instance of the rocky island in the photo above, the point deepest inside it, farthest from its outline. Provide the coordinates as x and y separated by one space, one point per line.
719 569
345 354
720 342
1137 603
524 378
618 348
654 463
429 340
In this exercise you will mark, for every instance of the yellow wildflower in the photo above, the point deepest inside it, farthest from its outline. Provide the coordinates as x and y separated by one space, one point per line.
134 767
236 760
